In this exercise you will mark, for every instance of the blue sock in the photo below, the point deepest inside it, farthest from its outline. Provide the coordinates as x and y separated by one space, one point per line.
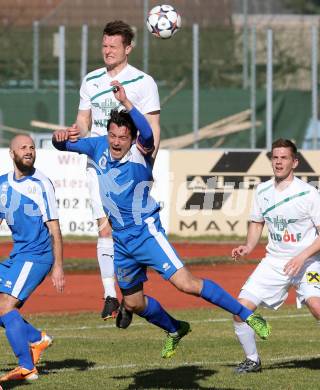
215 294
155 314
16 333
33 333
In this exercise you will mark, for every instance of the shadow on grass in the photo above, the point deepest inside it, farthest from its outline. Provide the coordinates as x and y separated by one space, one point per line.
311 364
52 367
185 377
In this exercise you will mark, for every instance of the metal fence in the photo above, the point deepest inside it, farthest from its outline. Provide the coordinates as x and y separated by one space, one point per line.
232 49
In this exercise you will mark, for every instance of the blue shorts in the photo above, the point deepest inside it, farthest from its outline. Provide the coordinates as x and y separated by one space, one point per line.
20 278
140 247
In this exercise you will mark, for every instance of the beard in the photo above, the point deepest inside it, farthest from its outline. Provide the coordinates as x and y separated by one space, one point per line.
22 166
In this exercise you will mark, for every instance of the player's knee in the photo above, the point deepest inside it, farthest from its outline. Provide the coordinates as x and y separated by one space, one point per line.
104 228
315 310
313 304
134 307
105 233
6 306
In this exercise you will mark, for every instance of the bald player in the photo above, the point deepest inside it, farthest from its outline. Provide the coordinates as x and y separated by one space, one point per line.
28 204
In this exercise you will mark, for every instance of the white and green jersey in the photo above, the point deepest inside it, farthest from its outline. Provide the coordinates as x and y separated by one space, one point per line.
96 95
290 215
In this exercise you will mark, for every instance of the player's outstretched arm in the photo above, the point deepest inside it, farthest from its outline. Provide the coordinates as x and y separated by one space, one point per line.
60 136
145 141
57 274
120 94
71 134
68 140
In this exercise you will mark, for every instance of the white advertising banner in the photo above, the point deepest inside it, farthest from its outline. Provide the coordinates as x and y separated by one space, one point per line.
211 191
67 171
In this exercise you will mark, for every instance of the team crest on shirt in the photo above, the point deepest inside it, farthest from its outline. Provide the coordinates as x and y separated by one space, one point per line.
32 189
3 199
103 162
280 223
106 106
313 277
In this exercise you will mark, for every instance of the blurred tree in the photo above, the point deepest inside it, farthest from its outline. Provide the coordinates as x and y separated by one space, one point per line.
303 6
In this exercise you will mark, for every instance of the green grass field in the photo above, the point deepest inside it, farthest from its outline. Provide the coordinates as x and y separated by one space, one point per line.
90 354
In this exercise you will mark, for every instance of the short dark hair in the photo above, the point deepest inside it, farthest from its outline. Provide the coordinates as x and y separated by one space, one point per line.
122 118
118 27
285 143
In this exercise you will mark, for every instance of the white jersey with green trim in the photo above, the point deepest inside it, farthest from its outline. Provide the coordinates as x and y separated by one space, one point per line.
291 216
96 95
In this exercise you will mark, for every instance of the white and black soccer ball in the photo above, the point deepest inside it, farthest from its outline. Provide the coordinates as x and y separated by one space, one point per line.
163 21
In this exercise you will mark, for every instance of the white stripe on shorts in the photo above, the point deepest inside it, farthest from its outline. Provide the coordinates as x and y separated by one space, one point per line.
22 278
164 244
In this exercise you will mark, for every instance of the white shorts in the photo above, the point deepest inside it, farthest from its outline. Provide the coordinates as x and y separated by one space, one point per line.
268 285
94 192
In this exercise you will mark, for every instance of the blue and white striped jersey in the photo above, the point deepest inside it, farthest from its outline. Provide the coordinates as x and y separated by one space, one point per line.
26 205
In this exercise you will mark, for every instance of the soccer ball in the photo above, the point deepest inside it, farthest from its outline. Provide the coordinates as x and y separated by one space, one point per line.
163 21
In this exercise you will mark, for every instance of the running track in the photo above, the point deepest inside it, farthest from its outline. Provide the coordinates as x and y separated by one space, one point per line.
84 292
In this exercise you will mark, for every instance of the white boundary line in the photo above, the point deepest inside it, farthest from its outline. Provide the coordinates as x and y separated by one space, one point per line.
140 323
179 364
174 364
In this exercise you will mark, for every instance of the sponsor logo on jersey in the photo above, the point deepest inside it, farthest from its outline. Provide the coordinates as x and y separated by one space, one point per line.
313 277
286 237
100 123
281 224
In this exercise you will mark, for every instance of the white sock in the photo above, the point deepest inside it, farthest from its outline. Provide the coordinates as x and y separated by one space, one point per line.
105 255
109 287
246 336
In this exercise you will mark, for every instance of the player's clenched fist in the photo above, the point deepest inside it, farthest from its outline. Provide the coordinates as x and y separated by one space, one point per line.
60 135
73 133
70 134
